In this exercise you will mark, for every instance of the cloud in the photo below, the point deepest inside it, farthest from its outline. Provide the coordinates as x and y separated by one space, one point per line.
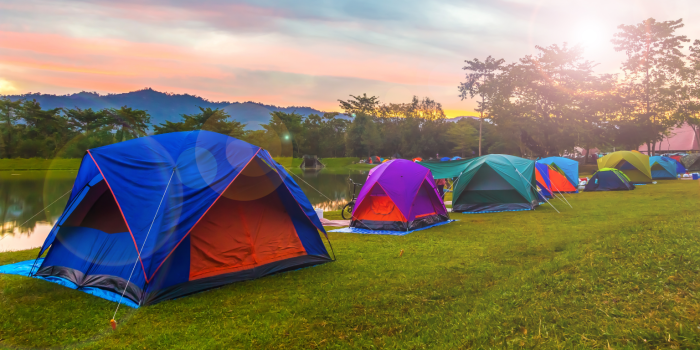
297 53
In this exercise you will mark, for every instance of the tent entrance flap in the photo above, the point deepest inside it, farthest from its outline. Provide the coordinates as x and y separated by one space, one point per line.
488 186
247 227
97 210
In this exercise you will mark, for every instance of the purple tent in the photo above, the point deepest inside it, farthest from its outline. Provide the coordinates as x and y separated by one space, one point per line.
399 195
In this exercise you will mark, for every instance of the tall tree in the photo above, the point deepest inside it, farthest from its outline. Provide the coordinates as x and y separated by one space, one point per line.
654 64
360 104
9 113
128 122
478 76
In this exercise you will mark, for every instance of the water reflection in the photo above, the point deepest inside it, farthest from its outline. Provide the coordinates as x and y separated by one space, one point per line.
335 186
24 194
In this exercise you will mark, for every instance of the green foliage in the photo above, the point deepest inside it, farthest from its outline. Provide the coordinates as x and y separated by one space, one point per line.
533 280
462 136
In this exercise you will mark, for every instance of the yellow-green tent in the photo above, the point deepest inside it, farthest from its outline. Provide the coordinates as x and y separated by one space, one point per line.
633 164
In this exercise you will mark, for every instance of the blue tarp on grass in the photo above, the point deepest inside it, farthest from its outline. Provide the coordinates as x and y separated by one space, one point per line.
23 268
386 232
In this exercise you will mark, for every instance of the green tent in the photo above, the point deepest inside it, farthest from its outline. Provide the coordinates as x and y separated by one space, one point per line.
634 164
446 170
495 182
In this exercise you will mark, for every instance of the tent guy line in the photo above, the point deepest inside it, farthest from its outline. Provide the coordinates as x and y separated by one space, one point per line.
143 244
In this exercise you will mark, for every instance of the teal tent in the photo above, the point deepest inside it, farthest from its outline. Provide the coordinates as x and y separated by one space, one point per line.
663 168
495 182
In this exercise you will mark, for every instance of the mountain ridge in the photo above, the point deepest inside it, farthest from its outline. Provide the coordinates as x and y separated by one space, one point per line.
164 106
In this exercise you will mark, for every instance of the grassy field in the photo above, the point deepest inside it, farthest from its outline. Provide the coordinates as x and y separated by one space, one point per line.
39 164
618 271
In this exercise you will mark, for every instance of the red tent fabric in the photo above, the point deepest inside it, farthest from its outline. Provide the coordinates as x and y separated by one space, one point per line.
559 182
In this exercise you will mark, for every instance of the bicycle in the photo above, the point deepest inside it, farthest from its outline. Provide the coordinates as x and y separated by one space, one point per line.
346 212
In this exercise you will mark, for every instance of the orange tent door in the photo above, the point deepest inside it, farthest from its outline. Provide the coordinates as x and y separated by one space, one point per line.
559 182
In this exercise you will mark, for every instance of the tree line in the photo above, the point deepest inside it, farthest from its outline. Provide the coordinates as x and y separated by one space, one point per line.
552 101
409 129
541 105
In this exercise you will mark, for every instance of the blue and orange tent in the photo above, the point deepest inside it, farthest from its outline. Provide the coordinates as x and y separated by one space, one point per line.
164 216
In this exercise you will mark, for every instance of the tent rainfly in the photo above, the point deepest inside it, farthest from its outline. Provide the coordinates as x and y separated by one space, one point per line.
567 167
691 162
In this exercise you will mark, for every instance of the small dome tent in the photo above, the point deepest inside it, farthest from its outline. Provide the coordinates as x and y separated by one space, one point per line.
565 166
496 182
663 168
399 195
633 164
164 216
609 179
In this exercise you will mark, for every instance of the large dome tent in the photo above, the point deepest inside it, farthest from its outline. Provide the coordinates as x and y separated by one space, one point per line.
164 216
634 164
495 182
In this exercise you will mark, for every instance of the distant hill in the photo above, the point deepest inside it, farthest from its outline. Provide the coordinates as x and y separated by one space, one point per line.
164 106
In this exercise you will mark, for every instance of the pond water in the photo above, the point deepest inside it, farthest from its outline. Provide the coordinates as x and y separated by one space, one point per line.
23 195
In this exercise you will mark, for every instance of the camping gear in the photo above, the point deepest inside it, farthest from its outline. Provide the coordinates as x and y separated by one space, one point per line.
399 195
663 168
633 164
311 163
543 183
691 162
418 159
456 158
445 159
567 167
160 217
385 160
495 182
609 179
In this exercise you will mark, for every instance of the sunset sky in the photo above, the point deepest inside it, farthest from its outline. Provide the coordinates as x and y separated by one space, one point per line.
301 53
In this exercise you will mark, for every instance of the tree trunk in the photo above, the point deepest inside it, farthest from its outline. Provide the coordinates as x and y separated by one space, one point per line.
481 121
653 149
649 148
588 154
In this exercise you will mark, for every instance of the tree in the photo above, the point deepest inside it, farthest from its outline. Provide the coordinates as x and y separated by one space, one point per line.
481 73
85 120
461 136
360 104
216 120
654 65
540 98
129 123
9 111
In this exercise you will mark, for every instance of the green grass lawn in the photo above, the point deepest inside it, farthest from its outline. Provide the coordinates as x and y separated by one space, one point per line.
618 271
39 164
